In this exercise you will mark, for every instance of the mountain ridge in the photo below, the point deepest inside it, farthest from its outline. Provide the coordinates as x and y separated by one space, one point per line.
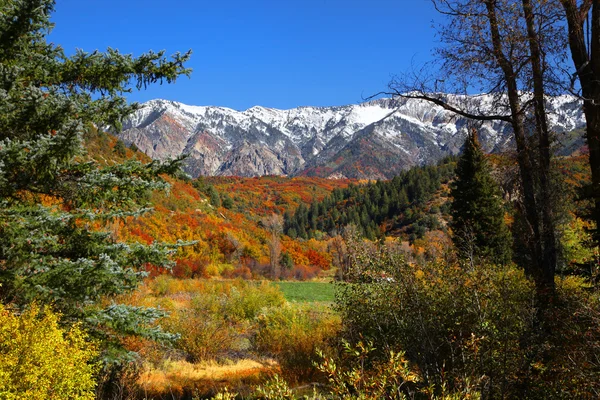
370 140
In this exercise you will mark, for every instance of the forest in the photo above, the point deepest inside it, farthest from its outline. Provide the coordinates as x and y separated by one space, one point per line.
375 209
476 278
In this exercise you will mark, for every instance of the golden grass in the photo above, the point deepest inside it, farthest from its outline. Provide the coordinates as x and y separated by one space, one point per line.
175 377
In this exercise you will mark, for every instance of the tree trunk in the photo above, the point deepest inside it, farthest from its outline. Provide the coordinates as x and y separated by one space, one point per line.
523 153
549 256
587 66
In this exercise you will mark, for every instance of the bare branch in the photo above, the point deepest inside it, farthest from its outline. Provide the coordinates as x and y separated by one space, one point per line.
445 105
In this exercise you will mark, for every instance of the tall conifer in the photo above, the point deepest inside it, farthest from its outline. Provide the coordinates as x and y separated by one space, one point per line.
51 197
479 229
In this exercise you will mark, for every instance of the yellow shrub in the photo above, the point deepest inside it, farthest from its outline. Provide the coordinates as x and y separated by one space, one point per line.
292 334
218 316
39 360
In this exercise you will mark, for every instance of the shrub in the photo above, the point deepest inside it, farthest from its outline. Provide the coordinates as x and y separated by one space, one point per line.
120 148
301 272
190 268
391 379
567 364
350 377
241 271
203 334
457 325
292 334
286 260
39 360
245 300
474 328
219 314
275 388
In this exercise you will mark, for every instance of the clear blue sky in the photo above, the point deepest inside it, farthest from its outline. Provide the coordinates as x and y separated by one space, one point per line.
274 53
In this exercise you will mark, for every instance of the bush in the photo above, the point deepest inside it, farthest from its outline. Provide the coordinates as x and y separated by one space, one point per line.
246 300
292 334
391 379
348 378
39 360
301 272
240 271
275 388
567 365
203 334
120 148
190 268
457 325
218 316
474 328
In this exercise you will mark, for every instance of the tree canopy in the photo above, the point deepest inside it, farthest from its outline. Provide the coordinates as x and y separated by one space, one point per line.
393 204
514 51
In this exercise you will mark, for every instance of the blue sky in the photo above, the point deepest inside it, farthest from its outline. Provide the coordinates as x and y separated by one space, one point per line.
275 53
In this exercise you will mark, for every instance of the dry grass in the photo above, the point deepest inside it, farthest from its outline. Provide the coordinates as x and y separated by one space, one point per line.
178 378
217 322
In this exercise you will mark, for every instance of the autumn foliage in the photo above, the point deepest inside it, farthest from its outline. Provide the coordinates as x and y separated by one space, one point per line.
41 360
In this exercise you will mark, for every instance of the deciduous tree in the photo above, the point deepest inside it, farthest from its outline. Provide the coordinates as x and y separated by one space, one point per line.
274 225
39 360
583 21
504 48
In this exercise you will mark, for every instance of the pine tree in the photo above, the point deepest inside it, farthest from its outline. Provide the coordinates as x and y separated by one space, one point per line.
50 196
213 195
479 229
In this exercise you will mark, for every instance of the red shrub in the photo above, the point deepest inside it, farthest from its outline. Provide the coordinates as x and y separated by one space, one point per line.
189 268
240 272
318 259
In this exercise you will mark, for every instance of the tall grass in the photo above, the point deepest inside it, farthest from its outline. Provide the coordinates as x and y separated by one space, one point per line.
227 324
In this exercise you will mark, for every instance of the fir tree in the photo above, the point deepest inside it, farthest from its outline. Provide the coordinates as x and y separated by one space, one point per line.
213 195
120 148
50 196
478 225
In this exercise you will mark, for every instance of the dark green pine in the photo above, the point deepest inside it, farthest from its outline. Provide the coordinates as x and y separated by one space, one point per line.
478 224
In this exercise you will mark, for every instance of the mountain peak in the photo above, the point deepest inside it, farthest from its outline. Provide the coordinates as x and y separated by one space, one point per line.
376 138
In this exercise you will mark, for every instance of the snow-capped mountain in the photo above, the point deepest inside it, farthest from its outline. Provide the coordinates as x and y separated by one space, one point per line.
372 140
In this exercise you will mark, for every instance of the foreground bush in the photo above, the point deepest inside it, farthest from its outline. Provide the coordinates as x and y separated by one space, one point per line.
350 377
214 318
474 327
292 334
232 333
39 360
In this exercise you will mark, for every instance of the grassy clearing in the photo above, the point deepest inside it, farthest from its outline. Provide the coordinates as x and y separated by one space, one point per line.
307 292
234 333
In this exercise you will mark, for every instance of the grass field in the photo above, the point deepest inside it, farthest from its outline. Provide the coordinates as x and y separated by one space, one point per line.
307 292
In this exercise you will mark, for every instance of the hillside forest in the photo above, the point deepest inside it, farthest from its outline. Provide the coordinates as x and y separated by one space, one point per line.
477 277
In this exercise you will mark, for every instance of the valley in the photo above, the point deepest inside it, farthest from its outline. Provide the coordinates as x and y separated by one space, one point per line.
437 241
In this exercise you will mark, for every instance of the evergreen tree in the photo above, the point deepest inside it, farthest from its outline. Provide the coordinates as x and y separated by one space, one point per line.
50 196
382 203
478 225
120 148
213 196
227 201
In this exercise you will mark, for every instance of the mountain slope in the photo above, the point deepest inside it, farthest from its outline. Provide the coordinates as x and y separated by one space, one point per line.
376 139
